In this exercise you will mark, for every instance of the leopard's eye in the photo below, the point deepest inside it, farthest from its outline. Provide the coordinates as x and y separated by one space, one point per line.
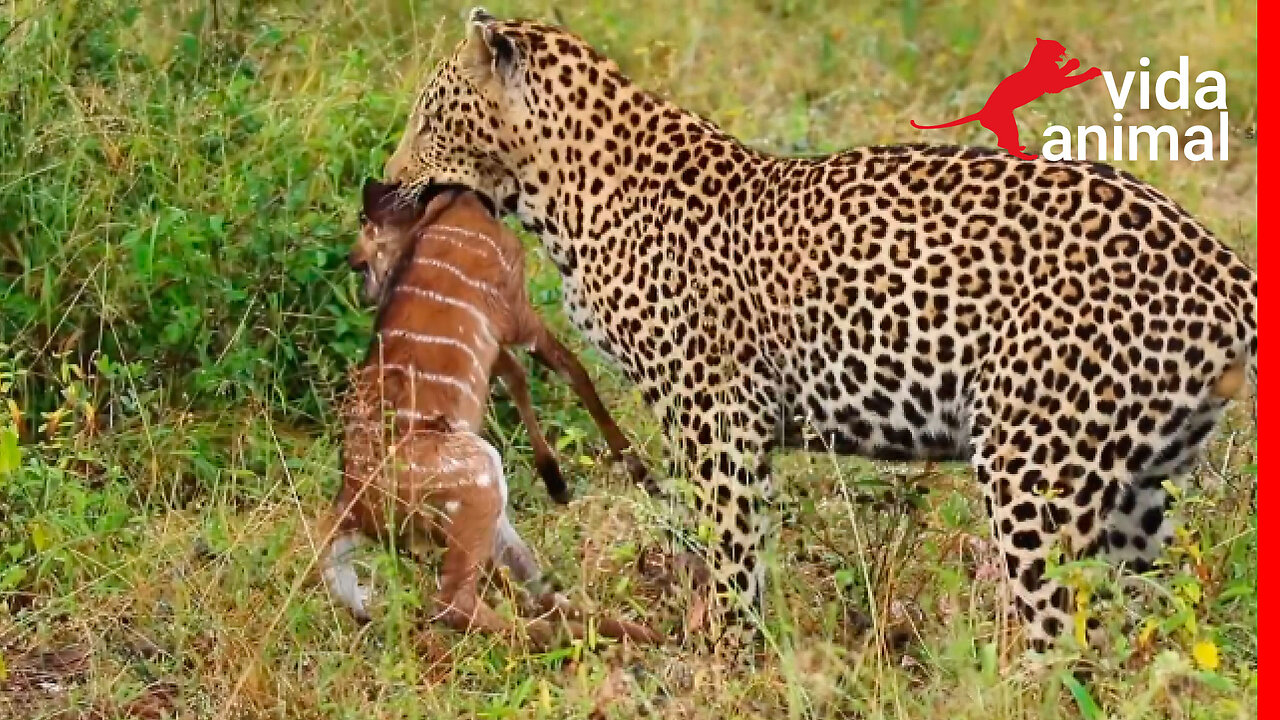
364 219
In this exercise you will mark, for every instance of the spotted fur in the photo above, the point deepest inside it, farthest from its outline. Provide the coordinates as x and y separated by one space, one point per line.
1064 326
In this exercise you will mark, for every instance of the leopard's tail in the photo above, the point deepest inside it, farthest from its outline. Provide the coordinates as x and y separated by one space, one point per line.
953 123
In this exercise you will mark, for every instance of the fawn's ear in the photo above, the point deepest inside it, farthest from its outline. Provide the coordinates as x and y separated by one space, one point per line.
489 54
377 196
438 204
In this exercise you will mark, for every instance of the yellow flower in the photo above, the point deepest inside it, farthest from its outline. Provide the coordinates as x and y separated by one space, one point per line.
1206 655
1082 616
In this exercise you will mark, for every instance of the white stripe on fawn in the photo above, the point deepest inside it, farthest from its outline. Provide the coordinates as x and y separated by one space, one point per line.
480 285
464 232
442 464
446 300
481 237
468 247
426 339
425 376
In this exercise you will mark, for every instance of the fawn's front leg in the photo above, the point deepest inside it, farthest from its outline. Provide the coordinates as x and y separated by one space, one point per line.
554 355
513 376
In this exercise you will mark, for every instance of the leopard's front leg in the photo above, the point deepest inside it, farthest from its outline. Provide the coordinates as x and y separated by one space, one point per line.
722 436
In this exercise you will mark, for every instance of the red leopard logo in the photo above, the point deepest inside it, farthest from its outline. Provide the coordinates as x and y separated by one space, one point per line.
1041 75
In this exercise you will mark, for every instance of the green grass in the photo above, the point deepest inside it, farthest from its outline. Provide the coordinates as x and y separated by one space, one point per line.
177 193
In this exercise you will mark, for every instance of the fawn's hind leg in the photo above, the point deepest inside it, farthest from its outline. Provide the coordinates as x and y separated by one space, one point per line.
557 608
468 522
516 381
511 552
472 524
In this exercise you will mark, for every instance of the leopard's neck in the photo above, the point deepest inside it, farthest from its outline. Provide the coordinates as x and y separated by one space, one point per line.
590 182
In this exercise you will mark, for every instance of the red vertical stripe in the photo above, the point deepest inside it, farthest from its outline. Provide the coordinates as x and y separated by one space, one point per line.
1268 693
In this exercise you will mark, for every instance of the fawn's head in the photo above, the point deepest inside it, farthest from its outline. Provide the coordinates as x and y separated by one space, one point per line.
389 223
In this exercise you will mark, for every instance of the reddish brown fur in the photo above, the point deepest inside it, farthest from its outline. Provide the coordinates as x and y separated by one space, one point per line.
415 469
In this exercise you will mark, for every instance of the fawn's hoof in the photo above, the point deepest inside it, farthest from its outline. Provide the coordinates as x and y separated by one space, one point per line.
549 470
639 473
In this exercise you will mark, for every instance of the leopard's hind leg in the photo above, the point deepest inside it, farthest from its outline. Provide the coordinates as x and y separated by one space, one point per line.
1139 527
1049 479
1040 512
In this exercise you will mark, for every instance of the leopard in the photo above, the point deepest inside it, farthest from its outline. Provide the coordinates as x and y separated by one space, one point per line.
1041 76
1065 328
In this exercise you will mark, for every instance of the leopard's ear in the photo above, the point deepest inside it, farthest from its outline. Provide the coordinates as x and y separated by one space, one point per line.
480 15
488 53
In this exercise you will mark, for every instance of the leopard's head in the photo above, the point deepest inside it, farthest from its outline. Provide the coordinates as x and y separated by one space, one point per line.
460 129
495 107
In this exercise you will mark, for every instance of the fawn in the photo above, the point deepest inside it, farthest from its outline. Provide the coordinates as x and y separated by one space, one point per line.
450 286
